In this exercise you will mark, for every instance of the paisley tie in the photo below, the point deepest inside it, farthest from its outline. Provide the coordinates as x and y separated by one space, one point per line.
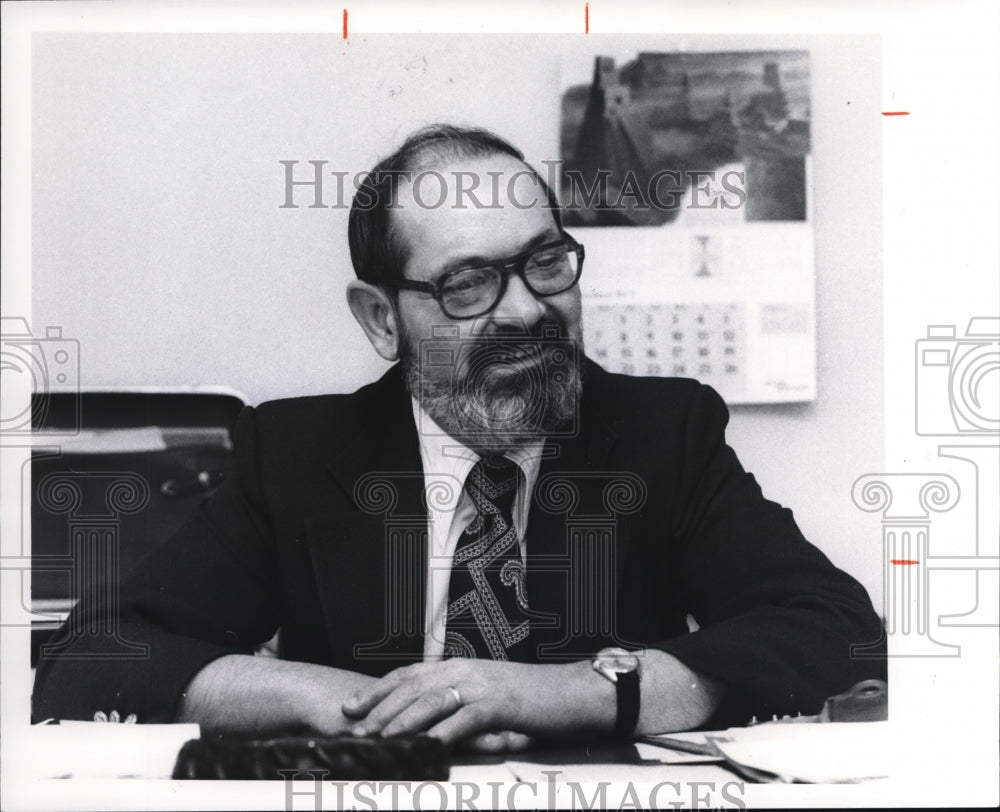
487 602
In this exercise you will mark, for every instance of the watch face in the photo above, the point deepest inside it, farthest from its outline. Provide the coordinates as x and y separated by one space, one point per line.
615 661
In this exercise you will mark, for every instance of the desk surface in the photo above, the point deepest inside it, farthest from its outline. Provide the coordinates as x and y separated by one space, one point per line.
93 750
820 753
565 772
598 753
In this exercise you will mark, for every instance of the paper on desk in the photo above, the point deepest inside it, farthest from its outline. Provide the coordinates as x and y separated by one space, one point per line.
650 752
617 774
102 750
838 752
481 773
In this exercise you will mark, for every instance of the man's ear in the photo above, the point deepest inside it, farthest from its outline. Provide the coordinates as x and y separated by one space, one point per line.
376 314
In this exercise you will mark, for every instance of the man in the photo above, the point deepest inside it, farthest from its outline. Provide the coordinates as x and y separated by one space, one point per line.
498 539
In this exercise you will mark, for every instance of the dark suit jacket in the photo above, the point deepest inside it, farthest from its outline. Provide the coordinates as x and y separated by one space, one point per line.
641 516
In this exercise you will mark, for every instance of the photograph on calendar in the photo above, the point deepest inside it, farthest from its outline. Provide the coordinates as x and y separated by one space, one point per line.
367 459
697 166
665 132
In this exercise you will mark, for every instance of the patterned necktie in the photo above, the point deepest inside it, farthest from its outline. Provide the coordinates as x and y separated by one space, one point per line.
487 602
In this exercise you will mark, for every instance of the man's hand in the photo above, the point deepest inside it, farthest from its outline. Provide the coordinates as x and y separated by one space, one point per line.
504 741
495 706
500 704
243 694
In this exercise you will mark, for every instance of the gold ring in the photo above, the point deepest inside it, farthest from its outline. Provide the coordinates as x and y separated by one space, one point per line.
456 694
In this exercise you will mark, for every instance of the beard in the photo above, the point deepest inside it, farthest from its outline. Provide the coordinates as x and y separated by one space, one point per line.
497 392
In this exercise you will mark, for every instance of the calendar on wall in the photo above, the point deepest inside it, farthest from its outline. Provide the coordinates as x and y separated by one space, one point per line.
686 176
704 341
746 326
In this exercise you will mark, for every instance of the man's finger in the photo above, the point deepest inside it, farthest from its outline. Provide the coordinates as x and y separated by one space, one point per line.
485 743
360 703
503 741
422 713
516 742
379 713
465 722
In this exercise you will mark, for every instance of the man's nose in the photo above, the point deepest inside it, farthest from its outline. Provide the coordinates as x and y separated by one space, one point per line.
519 304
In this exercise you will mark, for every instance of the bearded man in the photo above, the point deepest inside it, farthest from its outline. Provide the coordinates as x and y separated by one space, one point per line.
498 540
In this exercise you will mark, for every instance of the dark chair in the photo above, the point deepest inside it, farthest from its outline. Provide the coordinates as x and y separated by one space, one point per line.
113 474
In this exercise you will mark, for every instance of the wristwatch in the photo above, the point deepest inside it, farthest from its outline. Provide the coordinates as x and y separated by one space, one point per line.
622 668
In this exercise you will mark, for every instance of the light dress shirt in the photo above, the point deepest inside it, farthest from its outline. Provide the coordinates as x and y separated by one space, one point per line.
450 509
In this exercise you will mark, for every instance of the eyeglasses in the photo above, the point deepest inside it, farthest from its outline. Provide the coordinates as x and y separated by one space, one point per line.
465 293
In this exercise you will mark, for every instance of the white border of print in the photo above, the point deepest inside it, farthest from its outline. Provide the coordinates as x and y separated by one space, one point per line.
940 63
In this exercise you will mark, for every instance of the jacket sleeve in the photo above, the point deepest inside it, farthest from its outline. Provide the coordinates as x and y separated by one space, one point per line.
777 619
206 592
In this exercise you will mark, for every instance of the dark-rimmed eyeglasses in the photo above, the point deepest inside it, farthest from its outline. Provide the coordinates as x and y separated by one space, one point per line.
465 293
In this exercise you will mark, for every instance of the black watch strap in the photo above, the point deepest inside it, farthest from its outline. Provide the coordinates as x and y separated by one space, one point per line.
627 686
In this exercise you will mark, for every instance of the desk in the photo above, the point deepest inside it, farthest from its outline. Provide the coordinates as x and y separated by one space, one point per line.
594 776
597 753
811 752
591 760
94 750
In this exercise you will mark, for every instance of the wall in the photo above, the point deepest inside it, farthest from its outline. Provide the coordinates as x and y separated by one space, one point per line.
159 242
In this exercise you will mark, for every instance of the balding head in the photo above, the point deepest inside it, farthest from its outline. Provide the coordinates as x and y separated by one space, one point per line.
378 250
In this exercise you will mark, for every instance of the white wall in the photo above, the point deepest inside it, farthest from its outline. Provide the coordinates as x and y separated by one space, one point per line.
159 244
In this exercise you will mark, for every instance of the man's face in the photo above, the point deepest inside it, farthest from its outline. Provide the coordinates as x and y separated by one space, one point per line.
507 377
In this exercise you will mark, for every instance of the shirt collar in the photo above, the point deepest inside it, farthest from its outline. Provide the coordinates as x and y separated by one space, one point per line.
445 457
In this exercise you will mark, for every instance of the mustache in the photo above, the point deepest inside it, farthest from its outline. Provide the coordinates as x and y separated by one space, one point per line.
509 339
546 328
500 387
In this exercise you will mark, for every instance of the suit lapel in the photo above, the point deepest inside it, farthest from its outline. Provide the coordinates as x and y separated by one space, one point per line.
375 555
370 562
564 577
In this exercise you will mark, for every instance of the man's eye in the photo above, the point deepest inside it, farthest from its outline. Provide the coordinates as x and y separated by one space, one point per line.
467 285
464 285
551 263
547 259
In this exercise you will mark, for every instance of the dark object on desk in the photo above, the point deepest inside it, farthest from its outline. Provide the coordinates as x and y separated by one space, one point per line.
347 758
866 701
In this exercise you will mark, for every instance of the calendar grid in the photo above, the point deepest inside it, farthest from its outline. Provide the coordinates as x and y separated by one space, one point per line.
706 341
